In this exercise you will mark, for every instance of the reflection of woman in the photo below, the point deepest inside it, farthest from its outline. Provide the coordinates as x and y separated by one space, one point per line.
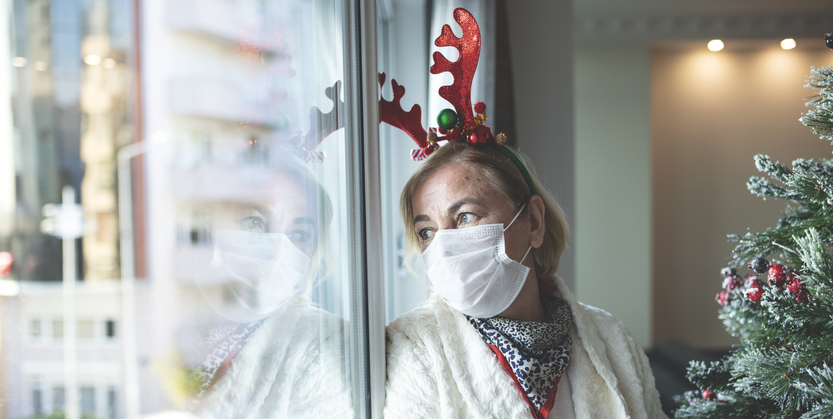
502 336
277 355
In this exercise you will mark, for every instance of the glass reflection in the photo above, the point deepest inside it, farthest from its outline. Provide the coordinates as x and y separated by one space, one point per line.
266 348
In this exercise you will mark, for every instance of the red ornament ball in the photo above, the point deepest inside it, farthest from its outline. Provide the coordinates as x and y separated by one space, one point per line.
755 291
777 275
802 297
749 279
794 281
732 282
479 107
724 298
708 395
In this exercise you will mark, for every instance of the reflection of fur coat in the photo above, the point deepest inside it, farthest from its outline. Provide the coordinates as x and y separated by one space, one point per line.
439 367
293 366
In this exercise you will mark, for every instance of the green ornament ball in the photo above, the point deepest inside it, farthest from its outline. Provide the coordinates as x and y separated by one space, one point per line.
447 119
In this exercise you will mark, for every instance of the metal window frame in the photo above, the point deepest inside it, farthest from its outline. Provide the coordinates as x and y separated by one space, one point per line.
364 205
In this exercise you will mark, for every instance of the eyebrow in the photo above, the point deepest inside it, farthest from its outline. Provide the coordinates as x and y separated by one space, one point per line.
263 210
457 205
305 220
451 210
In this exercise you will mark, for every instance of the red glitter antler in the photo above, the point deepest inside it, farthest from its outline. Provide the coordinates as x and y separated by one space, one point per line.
323 124
391 112
459 92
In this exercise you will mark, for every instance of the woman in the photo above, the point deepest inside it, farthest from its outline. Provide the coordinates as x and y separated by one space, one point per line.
502 336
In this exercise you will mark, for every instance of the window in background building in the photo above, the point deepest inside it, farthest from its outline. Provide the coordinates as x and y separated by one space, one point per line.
112 403
85 329
110 329
35 330
57 329
87 401
58 401
37 399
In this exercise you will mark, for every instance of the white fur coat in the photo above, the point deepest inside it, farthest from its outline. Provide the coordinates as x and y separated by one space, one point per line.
439 367
292 367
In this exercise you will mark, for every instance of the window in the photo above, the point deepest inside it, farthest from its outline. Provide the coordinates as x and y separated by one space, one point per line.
112 403
58 401
110 329
35 331
57 329
87 401
229 193
37 400
85 329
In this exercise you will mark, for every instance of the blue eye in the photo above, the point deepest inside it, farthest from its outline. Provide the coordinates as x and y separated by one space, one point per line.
253 224
425 234
466 217
300 237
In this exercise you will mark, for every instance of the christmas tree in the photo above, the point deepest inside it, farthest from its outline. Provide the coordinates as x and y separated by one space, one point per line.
781 305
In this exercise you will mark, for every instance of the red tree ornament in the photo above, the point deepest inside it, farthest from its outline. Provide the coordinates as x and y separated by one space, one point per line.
732 282
794 281
724 298
479 107
777 275
755 291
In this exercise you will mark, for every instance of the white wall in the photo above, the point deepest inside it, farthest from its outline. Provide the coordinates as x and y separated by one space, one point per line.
711 113
612 185
541 45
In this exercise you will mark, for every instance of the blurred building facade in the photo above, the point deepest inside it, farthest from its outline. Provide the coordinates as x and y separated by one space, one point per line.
74 89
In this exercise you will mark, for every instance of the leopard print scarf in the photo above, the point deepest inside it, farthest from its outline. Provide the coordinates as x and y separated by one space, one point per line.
537 352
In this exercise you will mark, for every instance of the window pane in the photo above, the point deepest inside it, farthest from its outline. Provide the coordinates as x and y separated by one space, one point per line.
87 401
58 394
112 403
57 329
37 401
212 223
35 328
110 329
86 329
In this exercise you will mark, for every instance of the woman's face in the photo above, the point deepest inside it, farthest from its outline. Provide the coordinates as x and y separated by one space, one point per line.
461 196
284 207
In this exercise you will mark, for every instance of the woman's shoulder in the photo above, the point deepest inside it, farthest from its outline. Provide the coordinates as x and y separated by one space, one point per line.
422 318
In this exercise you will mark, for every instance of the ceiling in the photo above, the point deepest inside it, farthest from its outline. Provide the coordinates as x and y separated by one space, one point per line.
606 21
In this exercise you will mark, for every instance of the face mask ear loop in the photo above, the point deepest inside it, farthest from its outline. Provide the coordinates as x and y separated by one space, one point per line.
525 254
516 217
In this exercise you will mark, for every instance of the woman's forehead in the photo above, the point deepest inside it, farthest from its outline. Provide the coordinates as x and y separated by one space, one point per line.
453 182
282 195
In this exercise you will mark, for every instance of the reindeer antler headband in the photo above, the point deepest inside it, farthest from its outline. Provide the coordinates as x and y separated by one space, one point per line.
464 123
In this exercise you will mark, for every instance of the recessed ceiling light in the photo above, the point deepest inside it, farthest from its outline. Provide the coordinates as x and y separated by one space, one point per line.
19 61
92 59
715 45
788 43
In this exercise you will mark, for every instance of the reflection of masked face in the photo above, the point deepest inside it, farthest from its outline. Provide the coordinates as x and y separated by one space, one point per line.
263 270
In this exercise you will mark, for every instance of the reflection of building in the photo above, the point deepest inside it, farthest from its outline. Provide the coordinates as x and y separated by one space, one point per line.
103 100
215 108
218 107
34 335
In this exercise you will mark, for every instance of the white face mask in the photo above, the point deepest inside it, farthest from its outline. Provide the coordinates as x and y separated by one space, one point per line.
263 270
470 270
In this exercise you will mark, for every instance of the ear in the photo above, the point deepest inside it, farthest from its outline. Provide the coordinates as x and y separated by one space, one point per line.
537 226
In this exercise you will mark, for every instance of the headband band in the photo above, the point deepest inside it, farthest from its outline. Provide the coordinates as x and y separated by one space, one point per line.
506 151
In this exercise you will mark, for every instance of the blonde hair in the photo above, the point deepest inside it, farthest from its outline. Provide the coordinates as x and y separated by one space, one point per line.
504 176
